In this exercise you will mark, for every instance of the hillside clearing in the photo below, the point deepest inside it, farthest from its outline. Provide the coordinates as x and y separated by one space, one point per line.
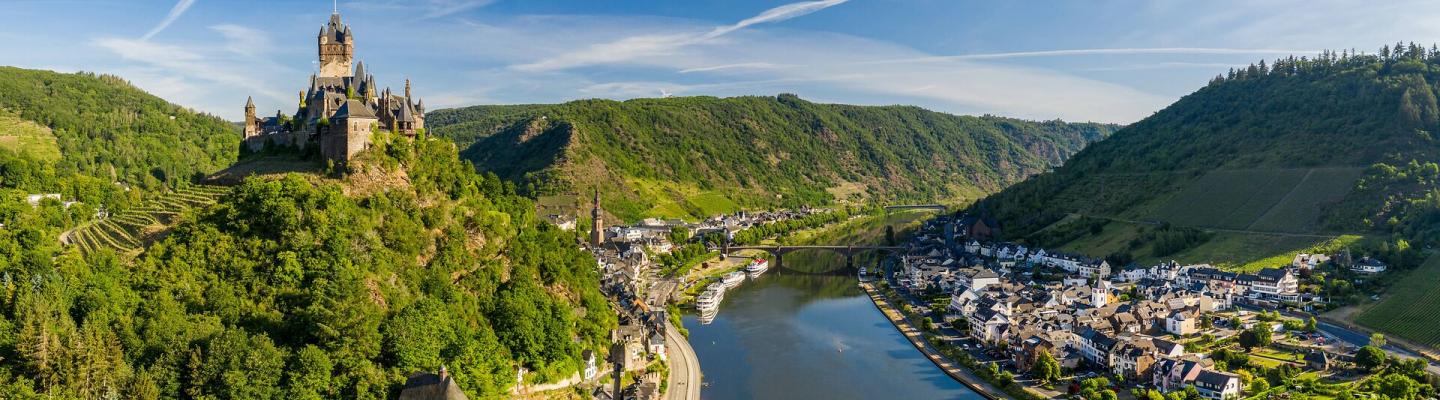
27 138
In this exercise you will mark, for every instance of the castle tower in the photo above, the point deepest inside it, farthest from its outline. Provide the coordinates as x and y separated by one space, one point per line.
407 88
337 48
252 127
597 231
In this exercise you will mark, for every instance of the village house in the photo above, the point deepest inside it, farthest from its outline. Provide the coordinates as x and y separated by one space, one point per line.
1368 266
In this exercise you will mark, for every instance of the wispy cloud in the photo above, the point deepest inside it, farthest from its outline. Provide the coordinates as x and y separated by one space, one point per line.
651 45
1169 65
427 9
776 14
737 66
175 13
1092 52
244 40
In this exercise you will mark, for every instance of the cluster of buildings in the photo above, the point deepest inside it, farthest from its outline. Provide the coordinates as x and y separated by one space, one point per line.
1084 312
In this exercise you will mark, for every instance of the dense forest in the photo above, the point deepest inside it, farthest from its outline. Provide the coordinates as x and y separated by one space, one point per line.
684 157
109 129
1339 109
304 287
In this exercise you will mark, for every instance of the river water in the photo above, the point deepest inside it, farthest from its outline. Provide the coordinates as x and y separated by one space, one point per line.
794 335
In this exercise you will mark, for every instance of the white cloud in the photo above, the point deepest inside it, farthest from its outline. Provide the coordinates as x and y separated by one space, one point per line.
641 46
424 9
244 41
733 67
175 13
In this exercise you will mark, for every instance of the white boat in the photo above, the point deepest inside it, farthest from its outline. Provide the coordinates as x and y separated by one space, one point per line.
757 266
733 279
708 304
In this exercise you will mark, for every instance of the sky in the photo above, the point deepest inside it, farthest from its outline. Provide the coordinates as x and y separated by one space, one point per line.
1104 61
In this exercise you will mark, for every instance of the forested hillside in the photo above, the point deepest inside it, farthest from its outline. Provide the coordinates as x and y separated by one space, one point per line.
304 287
105 127
695 156
1332 144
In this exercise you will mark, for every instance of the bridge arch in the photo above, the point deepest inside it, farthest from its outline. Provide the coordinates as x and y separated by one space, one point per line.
849 251
935 207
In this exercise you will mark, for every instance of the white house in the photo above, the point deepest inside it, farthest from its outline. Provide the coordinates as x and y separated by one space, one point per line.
1217 385
1367 265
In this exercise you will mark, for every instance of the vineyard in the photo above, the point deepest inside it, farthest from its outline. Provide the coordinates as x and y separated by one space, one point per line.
127 232
1412 310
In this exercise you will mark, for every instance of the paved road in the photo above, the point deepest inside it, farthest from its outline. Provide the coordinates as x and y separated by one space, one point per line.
684 366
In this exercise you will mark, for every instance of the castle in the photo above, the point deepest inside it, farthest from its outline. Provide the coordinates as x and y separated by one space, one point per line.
340 108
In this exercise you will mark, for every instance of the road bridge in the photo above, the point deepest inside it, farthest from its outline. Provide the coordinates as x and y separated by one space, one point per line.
848 251
899 207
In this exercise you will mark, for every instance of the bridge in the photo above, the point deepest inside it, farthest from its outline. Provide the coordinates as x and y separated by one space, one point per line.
898 207
848 251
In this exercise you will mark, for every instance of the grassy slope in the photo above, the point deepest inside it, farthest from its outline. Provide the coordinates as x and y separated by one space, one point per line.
690 157
27 137
1409 309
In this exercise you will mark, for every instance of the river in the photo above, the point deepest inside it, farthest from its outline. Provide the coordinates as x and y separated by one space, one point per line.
796 335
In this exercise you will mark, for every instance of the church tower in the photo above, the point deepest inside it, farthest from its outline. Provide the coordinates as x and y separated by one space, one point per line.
1099 297
252 127
597 231
337 48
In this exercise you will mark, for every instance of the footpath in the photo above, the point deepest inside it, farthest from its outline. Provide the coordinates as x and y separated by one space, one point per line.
917 338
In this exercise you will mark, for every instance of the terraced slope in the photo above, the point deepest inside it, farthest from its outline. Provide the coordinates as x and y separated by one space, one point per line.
127 232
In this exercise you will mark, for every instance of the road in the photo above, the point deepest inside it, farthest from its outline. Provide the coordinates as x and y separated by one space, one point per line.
1359 339
684 366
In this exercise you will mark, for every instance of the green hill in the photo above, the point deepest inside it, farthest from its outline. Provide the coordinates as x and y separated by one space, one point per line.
1294 155
695 156
300 286
103 126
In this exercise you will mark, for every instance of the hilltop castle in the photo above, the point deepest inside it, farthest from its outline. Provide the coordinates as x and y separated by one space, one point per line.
340 108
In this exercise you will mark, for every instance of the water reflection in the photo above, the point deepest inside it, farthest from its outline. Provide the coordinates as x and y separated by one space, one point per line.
810 335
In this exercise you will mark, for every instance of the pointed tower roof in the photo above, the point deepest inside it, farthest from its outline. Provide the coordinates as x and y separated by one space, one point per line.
249 102
360 69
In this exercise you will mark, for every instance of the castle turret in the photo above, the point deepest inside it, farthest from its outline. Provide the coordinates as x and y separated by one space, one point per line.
597 231
337 48
407 88
252 126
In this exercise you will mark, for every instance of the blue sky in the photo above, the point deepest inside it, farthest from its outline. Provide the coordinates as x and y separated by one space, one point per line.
1110 61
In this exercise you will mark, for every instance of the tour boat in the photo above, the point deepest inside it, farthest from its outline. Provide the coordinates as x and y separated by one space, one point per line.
708 304
733 279
757 266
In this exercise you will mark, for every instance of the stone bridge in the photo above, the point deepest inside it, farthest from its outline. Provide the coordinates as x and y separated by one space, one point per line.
898 207
848 251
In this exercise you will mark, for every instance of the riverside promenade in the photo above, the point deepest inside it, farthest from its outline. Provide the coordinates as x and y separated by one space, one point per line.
917 338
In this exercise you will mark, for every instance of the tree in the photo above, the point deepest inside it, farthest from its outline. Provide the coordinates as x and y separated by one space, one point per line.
1259 386
1396 386
1377 339
1370 358
1259 336
1311 326
1046 368
890 235
679 234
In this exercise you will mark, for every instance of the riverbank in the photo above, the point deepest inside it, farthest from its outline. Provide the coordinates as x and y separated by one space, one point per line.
917 338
